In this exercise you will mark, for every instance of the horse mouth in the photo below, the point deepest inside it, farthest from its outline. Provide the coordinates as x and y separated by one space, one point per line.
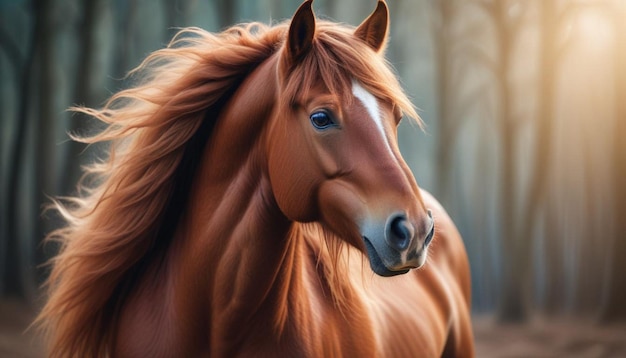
376 263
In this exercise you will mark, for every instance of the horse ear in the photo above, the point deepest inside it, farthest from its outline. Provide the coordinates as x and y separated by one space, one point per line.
374 29
301 31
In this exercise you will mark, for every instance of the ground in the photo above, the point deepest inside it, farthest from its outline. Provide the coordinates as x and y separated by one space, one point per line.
16 341
571 338
541 337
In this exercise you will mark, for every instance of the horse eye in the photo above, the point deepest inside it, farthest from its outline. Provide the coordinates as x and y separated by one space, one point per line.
321 120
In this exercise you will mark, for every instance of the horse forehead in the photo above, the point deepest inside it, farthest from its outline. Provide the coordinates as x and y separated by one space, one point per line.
372 107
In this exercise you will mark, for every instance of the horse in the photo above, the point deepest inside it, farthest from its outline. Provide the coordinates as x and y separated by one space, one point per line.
254 202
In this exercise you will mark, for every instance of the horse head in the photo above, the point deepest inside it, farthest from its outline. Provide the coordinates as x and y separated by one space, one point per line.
333 155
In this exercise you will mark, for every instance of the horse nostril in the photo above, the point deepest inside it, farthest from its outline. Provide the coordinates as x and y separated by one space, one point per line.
431 233
400 228
400 233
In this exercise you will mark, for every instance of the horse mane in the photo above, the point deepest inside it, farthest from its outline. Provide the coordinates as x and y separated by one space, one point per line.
155 130
129 203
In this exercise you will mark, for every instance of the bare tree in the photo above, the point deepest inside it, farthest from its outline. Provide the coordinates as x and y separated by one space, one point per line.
48 17
178 14
227 10
506 28
125 27
549 55
444 41
89 83
11 50
614 308
12 277
521 213
453 48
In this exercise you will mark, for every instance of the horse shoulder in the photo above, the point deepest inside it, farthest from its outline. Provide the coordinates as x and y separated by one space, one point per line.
449 258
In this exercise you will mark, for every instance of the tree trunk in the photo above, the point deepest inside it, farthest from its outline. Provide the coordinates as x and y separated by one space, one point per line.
512 306
615 306
15 68
178 15
227 13
125 52
539 179
44 137
553 248
14 277
446 137
88 86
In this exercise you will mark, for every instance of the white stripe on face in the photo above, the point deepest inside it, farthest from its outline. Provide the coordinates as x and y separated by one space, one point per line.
371 105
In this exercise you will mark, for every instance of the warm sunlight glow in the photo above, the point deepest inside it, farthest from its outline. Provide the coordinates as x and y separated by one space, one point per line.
593 28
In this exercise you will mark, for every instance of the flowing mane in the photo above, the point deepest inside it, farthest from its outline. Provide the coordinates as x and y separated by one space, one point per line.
131 204
156 131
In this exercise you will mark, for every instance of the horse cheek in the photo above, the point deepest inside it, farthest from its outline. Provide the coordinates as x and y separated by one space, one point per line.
293 180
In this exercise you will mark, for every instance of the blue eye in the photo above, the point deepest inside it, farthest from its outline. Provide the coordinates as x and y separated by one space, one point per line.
321 120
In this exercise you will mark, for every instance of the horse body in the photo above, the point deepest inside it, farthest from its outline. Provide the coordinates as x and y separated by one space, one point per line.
269 293
280 303
295 191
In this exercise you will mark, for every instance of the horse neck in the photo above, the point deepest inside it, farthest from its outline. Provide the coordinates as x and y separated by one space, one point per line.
237 236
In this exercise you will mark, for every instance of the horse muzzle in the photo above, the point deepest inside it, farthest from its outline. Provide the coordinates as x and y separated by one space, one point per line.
397 245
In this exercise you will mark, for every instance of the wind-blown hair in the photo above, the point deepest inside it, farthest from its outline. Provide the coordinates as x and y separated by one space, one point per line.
130 202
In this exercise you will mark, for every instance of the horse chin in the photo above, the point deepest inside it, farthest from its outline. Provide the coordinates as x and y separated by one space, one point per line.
376 263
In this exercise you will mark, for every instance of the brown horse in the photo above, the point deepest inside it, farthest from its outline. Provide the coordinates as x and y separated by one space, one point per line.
253 184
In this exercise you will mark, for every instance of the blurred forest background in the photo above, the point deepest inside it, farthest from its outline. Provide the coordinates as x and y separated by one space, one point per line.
525 144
